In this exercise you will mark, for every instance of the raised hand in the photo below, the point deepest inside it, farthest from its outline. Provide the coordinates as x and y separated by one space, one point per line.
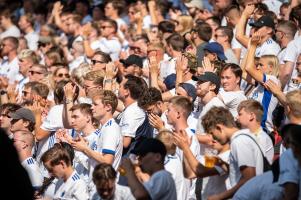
111 70
154 69
249 10
207 65
181 139
273 87
256 39
155 121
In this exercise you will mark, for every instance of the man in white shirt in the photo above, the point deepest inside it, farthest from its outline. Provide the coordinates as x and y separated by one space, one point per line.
161 185
265 27
24 142
231 94
78 54
250 114
246 159
133 120
10 30
26 23
9 66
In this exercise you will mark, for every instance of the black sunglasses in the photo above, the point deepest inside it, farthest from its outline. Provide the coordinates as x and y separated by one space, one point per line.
97 61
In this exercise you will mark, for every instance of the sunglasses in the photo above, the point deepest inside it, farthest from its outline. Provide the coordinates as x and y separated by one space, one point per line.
42 45
97 61
104 27
35 72
25 93
5 115
63 75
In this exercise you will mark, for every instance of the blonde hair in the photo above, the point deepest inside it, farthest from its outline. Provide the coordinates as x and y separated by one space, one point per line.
27 53
274 62
293 100
80 72
166 137
186 23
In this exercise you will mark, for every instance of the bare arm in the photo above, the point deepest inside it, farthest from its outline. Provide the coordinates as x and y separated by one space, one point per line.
286 71
246 174
126 141
241 26
152 12
137 188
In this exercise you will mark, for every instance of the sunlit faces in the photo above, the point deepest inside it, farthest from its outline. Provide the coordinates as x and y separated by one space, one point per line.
90 85
35 74
264 66
172 114
79 120
98 63
122 92
27 94
202 88
98 108
24 65
228 80
61 74
244 118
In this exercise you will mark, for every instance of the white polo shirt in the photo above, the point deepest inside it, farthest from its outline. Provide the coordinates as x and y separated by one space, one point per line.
111 47
32 40
174 165
167 67
244 152
269 47
161 186
12 31
266 144
74 188
10 70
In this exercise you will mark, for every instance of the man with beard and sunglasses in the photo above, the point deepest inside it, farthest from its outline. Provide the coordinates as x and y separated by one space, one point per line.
22 120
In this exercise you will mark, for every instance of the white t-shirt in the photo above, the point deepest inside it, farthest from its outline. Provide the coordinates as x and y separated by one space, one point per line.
161 186
267 100
174 165
260 187
111 47
33 170
12 31
74 188
273 5
231 58
167 67
266 144
218 183
131 118
232 100
52 123
32 40
269 47
244 152
76 62
291 55
215 101
10 70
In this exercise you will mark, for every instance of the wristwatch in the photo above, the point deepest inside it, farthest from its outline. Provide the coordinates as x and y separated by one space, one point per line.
67 101
3 92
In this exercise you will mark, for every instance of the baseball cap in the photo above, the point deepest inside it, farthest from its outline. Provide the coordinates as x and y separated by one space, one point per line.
132 60
23 113
190 89
194 4
149 145
170 81
208 76
264 21
214 47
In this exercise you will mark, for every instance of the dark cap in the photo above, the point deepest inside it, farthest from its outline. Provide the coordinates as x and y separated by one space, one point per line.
190 90
170 81
149 145
214 47
23 113
208 76
132 60
264 21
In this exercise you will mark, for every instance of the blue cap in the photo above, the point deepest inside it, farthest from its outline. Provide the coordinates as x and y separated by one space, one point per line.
214 47
170 81
190 90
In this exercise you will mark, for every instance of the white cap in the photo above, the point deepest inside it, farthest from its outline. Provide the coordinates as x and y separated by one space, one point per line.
195 4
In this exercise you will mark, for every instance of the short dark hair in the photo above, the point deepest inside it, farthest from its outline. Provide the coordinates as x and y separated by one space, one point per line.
13 40
204 31
215 116
118 5
41 89
84 108
113 23
166 27
136 85
234 68
227 31
102 173
150 97
176 41
106 57
9 107
295 15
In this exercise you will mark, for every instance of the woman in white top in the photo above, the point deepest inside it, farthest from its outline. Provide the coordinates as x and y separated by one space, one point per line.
267 68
